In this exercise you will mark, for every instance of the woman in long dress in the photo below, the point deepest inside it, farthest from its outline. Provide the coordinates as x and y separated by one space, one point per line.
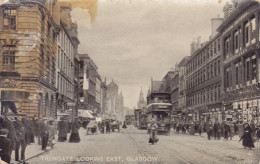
63 130
247 138
153 136
74 137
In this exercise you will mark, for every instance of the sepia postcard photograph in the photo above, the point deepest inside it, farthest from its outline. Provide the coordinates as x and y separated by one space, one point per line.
130 81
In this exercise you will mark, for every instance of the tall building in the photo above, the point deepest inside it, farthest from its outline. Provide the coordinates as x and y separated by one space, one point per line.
115 101
66 99
103 96
182 85
98 93
29 29
87 76
141 102
241 61
203 79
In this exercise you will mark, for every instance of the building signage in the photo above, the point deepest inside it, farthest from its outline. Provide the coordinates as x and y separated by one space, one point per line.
85 82
162 106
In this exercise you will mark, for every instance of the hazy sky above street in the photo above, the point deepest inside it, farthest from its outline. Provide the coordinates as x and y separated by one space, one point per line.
133 40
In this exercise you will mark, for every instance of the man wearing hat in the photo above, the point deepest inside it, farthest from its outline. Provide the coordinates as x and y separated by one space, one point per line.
6 123
5 146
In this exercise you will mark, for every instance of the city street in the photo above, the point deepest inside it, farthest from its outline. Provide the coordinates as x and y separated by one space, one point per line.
131 146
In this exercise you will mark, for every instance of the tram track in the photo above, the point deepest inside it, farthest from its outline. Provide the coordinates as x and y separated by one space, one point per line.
139 149
176 154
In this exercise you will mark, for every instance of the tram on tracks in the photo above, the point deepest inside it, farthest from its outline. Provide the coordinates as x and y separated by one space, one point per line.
130 119
159 108
141 118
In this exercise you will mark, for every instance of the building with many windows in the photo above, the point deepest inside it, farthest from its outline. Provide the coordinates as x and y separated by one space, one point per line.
204 80
29 29
182 85
65 67
240 40
87 78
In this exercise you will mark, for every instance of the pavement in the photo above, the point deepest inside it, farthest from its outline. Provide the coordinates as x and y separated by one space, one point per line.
131 146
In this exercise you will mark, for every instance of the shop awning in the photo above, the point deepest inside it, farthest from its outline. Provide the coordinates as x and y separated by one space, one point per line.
85 113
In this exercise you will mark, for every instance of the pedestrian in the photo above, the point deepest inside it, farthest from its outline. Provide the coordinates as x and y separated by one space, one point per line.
209 128
7 123
216 129
63 130
232 130
226 130
5 146
201 127
153 136
108 126
74 137
124 125
21 140
192 129
51 132
28 129
43 132
247 138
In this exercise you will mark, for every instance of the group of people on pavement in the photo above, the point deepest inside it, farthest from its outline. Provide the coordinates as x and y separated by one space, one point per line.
16 133
19 131
248 132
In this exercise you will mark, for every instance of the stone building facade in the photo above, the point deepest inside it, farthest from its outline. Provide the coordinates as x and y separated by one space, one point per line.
204 81
28 45
240 50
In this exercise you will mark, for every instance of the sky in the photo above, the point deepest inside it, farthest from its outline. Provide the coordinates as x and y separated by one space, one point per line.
132 41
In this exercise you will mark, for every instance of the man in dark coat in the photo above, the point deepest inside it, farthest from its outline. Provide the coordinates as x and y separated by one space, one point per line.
216 129
21 142
5 146
6 123
226 130
209 128
63 130
43 132
28 127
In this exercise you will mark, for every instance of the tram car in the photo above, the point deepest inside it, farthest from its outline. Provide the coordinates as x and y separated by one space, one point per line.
130 119
159 108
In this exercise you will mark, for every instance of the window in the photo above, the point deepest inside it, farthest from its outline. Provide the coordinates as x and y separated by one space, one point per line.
253 24
8 56
211 50
211 70
10 19
254 68
43 24
236 40
218 44
215 93
246 32
42 60
227 78
215 69
218 67
226 46
237 75
215 47
247 70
